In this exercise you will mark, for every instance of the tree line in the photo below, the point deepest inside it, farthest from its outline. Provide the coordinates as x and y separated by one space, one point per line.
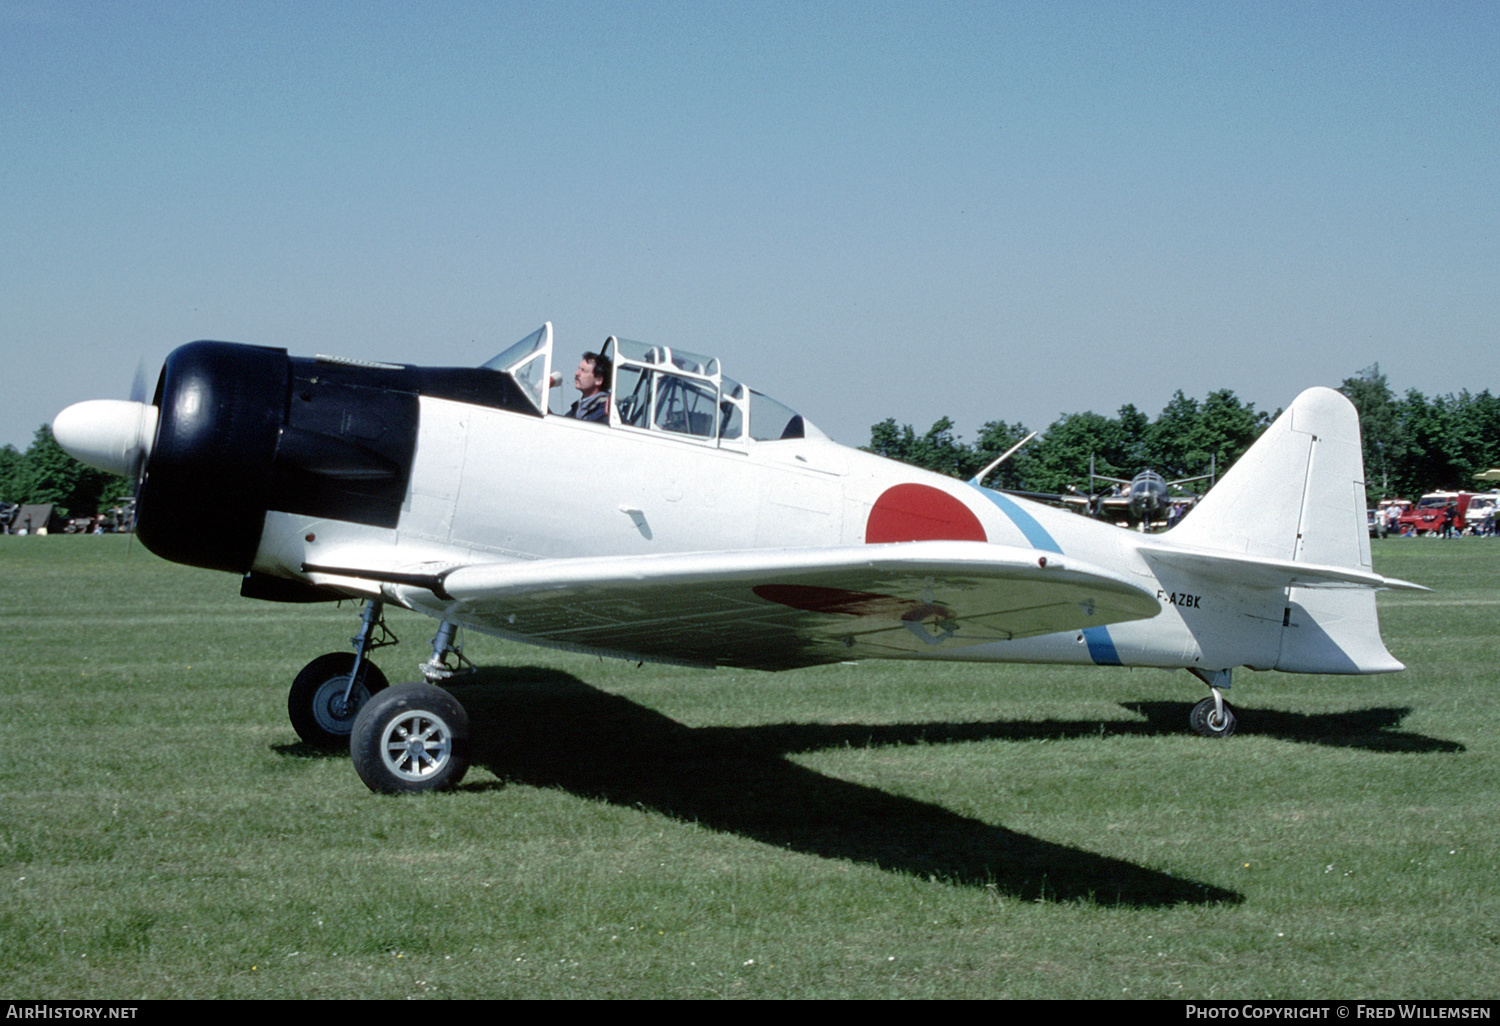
44 473
1412 444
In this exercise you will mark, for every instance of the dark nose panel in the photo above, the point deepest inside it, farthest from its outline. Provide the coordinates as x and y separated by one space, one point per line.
346 450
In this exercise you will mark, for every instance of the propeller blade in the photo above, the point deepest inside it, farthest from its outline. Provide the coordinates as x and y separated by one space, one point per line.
138 386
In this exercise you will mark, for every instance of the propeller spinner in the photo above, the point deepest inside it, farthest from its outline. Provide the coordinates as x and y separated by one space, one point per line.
111 434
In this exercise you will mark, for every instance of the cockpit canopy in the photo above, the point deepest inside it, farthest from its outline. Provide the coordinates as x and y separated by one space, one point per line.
661 390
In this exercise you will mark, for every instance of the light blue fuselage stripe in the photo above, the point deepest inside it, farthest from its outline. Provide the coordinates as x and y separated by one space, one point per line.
1034 532
1101 645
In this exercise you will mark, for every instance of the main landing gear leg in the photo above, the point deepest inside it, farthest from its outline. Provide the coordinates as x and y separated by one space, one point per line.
437 668
329 691
1213 717
415 737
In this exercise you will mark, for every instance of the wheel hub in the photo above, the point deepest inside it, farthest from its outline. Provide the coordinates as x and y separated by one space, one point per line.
417 745
335 714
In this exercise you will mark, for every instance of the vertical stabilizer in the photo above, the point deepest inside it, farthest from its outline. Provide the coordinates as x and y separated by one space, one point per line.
1299 494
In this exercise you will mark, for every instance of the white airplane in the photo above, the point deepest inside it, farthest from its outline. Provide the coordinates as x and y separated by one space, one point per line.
704 523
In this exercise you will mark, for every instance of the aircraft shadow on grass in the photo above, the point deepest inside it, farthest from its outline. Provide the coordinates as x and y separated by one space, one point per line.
1357 728
548 729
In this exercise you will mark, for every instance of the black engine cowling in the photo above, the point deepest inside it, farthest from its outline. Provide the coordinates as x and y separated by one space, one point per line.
245 429
202 500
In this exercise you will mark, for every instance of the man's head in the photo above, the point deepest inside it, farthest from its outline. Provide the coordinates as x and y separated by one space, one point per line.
592 374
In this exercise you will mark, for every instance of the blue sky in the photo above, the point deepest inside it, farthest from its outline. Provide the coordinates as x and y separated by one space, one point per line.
992 211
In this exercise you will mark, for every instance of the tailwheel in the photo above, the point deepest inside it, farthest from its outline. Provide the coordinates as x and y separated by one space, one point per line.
1213 717
412 737
321 704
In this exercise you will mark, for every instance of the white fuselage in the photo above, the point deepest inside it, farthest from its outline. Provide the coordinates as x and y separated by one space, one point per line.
492 485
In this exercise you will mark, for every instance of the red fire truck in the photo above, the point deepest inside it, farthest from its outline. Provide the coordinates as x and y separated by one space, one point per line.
1427 516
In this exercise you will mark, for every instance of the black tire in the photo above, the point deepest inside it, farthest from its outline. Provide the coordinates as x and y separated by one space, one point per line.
1206 722
412 737
316 702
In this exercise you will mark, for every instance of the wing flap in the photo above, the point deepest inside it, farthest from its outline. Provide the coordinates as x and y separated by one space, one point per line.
780 608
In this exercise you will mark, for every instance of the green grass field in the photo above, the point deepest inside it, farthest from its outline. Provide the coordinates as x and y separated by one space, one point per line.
882 830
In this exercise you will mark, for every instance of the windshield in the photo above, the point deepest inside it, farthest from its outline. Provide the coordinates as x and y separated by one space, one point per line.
516 353
529 362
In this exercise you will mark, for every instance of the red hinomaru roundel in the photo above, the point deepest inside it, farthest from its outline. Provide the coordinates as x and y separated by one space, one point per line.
918 512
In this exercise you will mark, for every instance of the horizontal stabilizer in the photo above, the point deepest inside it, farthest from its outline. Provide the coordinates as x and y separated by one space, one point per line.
1265 572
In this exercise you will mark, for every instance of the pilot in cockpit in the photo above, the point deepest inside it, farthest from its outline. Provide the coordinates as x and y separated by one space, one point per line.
592 380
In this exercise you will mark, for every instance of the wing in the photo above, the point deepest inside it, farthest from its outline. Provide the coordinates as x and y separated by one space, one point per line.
773 609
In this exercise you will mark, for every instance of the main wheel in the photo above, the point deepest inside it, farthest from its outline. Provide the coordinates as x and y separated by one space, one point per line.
316 704
1206 720
412 737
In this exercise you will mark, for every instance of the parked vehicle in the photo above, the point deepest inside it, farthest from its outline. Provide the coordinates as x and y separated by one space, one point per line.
1430 513
1481 512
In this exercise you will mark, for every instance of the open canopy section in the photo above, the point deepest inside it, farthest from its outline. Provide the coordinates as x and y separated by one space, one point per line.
675 392
662 390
